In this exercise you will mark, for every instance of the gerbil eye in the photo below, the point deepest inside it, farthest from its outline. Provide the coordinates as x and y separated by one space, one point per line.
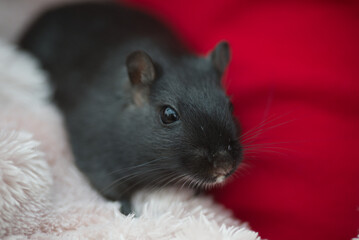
169 115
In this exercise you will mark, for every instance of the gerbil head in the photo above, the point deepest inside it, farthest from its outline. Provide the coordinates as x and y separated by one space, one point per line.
183 115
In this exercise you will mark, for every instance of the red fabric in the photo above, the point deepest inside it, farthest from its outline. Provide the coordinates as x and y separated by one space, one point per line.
295 69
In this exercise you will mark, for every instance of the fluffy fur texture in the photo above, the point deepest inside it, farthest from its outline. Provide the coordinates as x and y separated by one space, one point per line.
43 195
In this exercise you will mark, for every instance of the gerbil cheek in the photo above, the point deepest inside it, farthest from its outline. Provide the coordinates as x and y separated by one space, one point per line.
196 164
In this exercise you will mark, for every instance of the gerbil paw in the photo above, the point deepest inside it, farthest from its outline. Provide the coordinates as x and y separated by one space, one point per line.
126 207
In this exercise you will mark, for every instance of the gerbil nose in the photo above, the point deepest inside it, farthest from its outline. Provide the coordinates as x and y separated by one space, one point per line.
222 165
222 160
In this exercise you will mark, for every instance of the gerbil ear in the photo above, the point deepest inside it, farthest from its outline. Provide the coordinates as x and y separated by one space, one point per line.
140 68
220 56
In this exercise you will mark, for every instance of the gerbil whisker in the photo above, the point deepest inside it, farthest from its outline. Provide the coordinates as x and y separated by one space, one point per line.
154 182
186 179
172 180
129 177
260 131
142 180
266 147
257 130
159 185
138 166
192 183
157 182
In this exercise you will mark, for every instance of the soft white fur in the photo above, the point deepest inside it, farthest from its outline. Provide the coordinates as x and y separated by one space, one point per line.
43 195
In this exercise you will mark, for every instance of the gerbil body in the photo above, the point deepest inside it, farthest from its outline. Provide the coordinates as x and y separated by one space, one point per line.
140 109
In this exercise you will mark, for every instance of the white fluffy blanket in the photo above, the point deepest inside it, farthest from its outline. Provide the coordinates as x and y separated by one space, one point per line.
43 195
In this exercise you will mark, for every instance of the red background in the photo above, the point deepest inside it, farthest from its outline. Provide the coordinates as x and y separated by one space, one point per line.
294 81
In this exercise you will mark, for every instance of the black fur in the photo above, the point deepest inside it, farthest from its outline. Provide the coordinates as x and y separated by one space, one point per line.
112 107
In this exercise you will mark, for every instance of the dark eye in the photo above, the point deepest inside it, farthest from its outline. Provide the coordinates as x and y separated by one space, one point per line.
169 115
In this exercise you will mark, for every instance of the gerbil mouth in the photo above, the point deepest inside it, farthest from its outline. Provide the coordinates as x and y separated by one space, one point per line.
220 179
220 175
215 180
204 182
211 176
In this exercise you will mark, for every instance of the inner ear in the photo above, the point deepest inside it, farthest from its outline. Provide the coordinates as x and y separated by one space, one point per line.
220 56
140 68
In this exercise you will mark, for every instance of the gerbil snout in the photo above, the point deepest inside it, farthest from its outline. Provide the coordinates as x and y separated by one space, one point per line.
216 167
223 165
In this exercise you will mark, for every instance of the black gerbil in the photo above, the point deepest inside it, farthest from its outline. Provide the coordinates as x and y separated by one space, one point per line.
141 110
